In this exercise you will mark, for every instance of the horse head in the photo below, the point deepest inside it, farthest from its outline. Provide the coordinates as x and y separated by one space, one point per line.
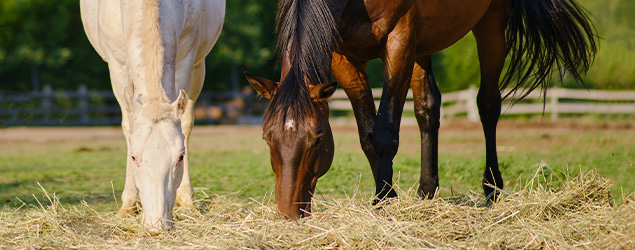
299 137
156 153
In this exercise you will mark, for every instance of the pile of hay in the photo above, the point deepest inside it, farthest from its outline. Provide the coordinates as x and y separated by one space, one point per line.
576 214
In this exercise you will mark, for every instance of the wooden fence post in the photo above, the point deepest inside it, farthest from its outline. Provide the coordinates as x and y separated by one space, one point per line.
553 104
470 104
46 103
83 104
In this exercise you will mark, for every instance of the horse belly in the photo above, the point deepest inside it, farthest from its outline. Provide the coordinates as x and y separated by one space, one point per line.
444 22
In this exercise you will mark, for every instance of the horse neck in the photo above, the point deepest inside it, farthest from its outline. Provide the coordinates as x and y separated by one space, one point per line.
151 30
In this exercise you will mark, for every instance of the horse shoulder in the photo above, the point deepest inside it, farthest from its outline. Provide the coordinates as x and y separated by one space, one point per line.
102 24
211 22
89 11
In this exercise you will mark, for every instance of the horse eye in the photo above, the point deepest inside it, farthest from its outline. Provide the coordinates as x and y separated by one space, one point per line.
134 159
317 142
181 158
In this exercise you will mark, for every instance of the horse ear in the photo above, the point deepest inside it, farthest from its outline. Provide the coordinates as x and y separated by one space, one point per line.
322 92
132 105
264 87
180 103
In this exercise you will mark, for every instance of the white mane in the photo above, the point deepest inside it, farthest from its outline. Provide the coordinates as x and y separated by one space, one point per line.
148 43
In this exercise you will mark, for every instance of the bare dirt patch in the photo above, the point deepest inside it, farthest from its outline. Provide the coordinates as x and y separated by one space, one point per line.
66 134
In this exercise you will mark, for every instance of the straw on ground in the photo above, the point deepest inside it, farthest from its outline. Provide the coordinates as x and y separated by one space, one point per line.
575 212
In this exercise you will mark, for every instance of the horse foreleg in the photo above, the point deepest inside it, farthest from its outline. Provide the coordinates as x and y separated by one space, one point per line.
120 81
351 75
185 192
427 105
399 64
490 38
130 191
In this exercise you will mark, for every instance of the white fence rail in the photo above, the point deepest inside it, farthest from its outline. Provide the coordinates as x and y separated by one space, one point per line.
559 101
81 107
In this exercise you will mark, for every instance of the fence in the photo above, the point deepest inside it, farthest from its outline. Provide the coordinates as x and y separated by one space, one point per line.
100 107
84 108
559 101
48 108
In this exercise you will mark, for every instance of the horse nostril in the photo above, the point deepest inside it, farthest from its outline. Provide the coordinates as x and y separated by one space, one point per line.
158 227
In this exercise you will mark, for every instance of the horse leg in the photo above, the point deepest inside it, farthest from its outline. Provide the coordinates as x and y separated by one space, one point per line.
129 196
399 63
490 38
121 80
185 192
427 105
351 75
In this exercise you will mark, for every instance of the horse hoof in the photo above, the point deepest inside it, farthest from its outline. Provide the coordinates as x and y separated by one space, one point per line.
124 212
493 196
385 200
187 206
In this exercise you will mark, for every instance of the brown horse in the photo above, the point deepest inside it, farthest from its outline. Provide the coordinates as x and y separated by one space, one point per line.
320 37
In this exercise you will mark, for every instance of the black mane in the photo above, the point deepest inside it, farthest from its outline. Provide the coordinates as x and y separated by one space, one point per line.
306 31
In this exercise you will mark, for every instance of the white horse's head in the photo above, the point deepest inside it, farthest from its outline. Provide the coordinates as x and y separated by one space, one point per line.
156 152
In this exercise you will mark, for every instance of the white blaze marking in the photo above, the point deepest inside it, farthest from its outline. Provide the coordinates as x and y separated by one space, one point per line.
289 125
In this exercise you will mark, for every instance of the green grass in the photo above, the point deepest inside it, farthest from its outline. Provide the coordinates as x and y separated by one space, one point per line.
235 160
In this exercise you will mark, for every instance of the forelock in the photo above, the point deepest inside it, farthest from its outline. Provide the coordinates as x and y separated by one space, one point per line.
157 111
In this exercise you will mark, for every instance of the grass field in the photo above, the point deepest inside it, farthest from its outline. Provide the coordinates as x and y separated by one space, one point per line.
88 163
559 178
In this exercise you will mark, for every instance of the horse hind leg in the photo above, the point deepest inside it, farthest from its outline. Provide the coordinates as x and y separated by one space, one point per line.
490 39
427 105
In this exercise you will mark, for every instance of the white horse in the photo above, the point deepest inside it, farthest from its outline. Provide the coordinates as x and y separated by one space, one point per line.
155 50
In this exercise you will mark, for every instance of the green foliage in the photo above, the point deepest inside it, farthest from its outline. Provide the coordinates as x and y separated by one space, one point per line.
247 43
457 67
45 40
614 67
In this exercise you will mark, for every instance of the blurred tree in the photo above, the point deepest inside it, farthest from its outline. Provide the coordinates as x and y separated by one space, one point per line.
247 43
43 41
457 67
614 67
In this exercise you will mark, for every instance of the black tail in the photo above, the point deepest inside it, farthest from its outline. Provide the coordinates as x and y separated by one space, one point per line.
546 37
306 30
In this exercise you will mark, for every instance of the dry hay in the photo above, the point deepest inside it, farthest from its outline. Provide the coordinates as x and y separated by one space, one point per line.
578 213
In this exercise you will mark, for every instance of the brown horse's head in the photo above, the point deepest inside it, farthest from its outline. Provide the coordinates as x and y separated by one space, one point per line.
298 133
